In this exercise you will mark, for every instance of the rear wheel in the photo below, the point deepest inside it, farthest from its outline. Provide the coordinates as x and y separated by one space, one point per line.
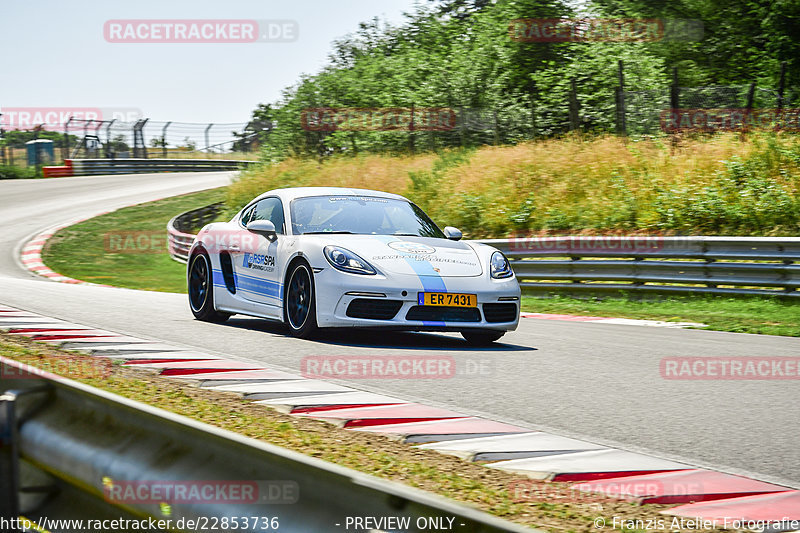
299 304
481 338
201 289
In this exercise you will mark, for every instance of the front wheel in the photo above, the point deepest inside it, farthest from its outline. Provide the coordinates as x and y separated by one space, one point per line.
299 304
201 289
481 338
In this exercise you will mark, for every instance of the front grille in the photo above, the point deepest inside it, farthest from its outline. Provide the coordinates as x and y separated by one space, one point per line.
500 312
373 308
432 313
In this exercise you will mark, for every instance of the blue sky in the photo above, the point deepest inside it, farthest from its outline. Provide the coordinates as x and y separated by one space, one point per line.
55 55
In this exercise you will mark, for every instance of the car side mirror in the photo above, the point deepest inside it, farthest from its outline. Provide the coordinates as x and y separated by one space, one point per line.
454 234
263 227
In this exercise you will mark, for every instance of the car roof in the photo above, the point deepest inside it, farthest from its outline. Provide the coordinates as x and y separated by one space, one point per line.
290 193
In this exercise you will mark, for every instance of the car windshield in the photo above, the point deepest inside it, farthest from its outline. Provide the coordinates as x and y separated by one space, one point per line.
366 215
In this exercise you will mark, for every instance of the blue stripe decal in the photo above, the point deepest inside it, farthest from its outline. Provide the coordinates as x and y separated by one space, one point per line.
430 279
264 287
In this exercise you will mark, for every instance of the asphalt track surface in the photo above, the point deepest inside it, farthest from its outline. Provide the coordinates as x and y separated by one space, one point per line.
599 382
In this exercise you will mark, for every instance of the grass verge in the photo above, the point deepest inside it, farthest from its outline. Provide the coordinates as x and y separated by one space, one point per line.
126 248
548 506
767 316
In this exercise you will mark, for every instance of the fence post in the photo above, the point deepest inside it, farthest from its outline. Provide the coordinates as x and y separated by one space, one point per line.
164 140
36 155
97 137
622 127
208 144
139 146
781 83
674 102
109 151
674 91
496 130
748 109
462 126
574 121
411 131
750 94
65 144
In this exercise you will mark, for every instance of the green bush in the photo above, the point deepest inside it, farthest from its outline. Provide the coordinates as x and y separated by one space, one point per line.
9 172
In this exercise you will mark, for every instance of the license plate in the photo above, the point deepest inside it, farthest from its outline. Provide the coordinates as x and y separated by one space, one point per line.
449 299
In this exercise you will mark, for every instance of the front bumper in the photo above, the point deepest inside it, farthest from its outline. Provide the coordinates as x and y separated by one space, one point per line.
336 290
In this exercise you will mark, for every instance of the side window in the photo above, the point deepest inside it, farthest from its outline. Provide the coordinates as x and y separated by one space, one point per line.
246 216
269 209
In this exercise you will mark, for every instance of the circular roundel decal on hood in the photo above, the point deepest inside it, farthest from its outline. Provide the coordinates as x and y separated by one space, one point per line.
412 247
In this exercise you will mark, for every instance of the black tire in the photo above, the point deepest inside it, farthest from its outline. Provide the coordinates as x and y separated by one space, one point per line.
482 338
299 302
201 289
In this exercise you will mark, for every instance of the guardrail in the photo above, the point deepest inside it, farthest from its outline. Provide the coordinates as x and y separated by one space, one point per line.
70 450
603 264
582 265
96 167
179 229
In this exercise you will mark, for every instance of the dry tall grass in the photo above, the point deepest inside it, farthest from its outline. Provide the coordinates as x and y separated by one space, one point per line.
718 184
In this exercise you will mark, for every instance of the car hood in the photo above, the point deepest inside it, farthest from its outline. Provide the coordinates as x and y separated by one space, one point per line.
421 256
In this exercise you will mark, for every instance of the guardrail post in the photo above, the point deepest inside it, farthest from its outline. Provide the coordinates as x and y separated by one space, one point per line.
637 261
9 459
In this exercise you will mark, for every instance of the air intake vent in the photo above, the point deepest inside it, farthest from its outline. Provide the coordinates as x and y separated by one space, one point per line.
373 308
443 314
500 312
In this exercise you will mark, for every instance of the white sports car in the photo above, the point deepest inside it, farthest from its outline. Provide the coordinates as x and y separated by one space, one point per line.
327 257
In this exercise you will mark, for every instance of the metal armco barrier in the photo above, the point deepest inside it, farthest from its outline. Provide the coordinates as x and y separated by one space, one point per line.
96 167
605 264
179 229
84 442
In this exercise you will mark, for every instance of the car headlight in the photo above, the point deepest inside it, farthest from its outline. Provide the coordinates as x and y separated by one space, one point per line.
346 261
500 267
